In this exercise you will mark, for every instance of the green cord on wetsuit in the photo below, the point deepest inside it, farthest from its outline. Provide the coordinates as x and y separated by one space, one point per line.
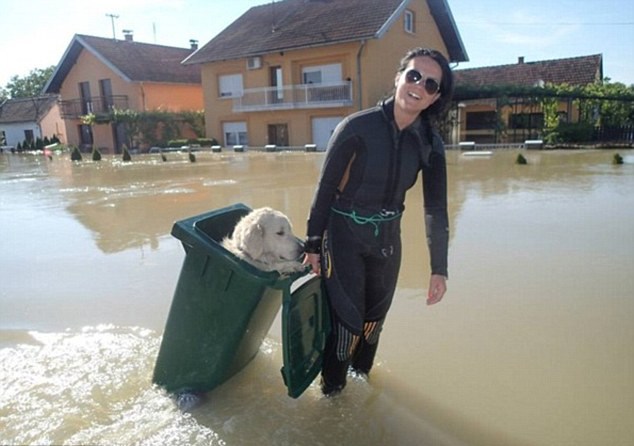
373 219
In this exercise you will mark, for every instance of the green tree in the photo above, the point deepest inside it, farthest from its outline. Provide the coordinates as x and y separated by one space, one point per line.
129 119
195 120
30 85
610 103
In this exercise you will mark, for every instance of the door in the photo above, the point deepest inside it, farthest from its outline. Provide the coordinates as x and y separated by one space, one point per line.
105 89
278 135
120 137
277 82
322 130
85 136
84 93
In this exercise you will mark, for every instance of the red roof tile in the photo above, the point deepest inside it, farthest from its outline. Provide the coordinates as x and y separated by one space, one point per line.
579 71
135 61
26 109
292 24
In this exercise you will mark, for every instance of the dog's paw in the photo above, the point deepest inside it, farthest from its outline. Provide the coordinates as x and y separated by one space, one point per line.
187 401
291 268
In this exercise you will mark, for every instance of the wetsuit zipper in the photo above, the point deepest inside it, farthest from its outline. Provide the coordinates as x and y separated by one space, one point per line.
394 167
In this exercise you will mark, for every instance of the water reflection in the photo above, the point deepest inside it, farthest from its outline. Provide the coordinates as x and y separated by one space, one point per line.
133 204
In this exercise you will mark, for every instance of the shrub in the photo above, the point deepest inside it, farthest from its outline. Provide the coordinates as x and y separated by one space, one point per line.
96 154
75 155
575 132
176 143
204 142
126 154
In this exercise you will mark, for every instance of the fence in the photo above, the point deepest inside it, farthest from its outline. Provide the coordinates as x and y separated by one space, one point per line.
621 134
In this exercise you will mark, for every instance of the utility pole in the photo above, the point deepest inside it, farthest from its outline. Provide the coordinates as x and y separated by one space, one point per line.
112 17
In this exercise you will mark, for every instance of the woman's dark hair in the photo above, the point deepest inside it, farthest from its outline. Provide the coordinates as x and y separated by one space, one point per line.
438 108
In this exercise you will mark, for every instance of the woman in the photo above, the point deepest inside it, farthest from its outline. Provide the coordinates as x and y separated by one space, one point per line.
353 234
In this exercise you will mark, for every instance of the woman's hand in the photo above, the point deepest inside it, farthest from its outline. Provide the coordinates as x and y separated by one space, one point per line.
437 289
313 261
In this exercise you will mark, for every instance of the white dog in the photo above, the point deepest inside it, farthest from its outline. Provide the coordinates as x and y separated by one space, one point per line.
264 238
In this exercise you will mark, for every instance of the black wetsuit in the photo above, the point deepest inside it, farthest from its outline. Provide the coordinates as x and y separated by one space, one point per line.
355 213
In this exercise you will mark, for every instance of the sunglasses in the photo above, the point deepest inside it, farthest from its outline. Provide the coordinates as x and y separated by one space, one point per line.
431 86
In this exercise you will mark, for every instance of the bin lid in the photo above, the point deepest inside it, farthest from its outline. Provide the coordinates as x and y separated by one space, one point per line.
305 327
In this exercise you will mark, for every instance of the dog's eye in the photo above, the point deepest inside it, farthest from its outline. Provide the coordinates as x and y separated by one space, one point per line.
280 233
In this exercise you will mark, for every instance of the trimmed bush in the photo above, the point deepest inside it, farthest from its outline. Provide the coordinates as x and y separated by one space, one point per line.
575 132
176 143
75 155
126 154
617 159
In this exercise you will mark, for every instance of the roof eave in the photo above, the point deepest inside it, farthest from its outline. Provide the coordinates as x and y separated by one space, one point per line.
68 59
54 82
392 19
441 13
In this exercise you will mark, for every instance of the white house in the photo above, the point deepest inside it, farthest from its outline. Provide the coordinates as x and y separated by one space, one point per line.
26 119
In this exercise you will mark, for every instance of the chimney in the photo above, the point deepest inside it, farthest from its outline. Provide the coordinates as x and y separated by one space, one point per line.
520 60
193 43
128 35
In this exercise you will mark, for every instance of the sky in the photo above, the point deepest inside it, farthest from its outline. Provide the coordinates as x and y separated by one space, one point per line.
35 33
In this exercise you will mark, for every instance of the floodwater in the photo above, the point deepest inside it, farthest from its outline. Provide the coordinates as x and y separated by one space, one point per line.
532 345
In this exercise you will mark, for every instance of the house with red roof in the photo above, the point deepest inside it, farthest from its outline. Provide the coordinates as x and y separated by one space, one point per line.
97 74
285 73
483 117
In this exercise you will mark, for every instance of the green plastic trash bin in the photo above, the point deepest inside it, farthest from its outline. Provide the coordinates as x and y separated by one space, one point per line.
223 308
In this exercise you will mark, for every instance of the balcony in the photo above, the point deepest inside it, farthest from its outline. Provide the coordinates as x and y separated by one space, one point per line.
329 95
98 105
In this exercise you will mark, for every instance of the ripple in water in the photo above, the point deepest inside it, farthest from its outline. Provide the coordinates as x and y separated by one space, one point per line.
91 387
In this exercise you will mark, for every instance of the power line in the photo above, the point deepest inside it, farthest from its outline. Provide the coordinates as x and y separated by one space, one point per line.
549 23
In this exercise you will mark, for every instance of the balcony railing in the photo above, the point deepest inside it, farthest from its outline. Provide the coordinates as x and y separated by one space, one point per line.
98 105
337 94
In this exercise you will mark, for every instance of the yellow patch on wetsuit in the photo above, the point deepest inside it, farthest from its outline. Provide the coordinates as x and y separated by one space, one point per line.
327 260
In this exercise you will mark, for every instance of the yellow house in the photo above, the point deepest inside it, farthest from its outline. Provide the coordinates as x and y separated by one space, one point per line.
97 74
514 118
285 73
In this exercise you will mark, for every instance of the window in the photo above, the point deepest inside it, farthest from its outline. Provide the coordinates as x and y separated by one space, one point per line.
322 74
235 134
481 120
312 77
408 21
230 85
526 121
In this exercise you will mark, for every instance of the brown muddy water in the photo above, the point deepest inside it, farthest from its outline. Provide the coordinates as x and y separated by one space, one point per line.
533 344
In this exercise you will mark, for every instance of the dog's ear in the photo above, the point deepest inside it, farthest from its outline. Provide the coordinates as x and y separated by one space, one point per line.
252 240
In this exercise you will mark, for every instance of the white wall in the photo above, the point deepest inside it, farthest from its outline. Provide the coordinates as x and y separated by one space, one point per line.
14 132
